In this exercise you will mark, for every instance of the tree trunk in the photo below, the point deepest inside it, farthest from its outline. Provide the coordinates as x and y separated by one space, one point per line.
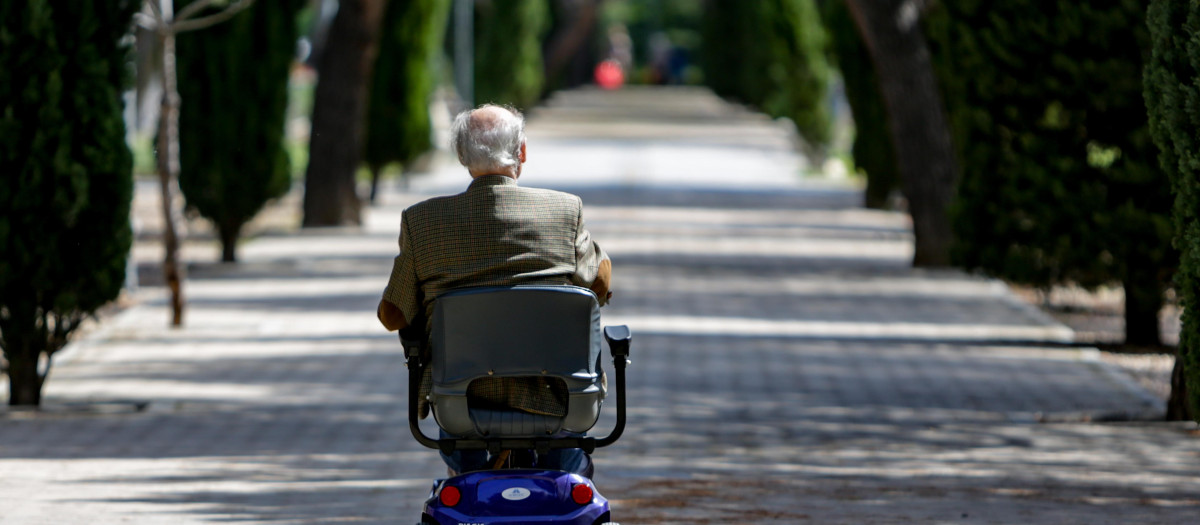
24 383
568 43
168 175
339 105
1179 407
875 196
376 172
891 30
1143 301
229 238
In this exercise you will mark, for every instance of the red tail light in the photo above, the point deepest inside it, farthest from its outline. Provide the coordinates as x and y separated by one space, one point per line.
582 494
450 496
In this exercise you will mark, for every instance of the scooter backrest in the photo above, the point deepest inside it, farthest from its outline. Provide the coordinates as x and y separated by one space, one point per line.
516 331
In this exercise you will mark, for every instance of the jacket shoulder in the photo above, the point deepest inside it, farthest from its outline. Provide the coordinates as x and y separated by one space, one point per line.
558 197
431 207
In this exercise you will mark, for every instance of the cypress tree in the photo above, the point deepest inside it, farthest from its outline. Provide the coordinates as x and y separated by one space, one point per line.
406 73
64 204
770 54
873 151
508 51
1172 94
1059 180
233 87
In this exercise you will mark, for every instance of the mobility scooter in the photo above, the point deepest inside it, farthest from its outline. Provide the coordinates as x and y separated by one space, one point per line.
515 331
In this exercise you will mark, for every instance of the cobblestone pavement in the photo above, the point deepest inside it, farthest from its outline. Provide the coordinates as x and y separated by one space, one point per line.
788 366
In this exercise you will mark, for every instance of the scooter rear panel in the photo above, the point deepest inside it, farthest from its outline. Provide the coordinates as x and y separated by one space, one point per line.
517 496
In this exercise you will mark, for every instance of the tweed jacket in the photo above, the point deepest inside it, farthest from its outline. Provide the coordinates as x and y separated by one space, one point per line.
494 234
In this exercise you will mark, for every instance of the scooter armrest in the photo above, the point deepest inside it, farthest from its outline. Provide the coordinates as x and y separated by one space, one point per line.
618 338
413 341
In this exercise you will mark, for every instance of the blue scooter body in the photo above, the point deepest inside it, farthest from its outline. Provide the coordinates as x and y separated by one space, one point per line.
516 496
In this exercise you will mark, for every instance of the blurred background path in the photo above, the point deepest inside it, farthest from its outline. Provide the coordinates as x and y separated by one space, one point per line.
789 366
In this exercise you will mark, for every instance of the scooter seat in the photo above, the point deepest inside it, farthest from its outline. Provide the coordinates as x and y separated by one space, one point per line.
508 423
517 331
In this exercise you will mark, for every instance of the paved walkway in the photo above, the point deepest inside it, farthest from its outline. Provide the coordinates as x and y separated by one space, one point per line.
788 366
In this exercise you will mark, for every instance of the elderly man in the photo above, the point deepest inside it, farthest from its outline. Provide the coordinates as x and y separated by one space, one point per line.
494 234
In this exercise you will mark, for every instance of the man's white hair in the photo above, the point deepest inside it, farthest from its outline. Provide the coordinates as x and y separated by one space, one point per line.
484 145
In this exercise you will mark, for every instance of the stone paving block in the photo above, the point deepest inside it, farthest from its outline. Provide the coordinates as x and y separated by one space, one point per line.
788 366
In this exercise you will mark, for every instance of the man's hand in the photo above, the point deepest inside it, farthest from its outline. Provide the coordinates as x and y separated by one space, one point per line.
603 281
391 316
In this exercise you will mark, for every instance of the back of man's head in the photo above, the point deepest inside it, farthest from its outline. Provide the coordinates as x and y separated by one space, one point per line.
488 139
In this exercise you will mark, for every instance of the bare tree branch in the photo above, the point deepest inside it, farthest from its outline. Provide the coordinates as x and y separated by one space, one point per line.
168 25
192 9
203 22
150 17
146 21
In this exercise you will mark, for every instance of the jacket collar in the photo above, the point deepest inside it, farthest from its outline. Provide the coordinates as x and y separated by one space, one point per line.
492 180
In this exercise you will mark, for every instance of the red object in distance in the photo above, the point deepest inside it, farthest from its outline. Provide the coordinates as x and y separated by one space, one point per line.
609 75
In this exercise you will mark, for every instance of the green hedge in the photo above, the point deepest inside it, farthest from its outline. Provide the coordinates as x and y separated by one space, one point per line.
406 73
508 51
233 80
1060 182
64 204
874 154
770 54
1172 96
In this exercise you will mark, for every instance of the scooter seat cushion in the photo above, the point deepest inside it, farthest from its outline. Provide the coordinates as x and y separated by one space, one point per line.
513 423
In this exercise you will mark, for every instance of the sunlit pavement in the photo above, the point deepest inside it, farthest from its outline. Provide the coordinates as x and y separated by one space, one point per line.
788 366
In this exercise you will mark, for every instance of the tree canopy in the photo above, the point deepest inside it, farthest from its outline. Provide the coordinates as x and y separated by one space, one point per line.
64 224
406 73
1059 180
873 151
770 54
508 51
232 159
1172 94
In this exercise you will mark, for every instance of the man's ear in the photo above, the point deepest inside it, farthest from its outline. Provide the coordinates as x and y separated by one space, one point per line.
521 157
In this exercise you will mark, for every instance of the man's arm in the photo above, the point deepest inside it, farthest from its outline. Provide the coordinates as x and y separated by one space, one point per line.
401 299
593 269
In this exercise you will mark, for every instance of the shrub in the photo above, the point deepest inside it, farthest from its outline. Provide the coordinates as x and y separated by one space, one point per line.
872 150
64 228
1172 95
508 51
406 73
1059 179
233 81
770 54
